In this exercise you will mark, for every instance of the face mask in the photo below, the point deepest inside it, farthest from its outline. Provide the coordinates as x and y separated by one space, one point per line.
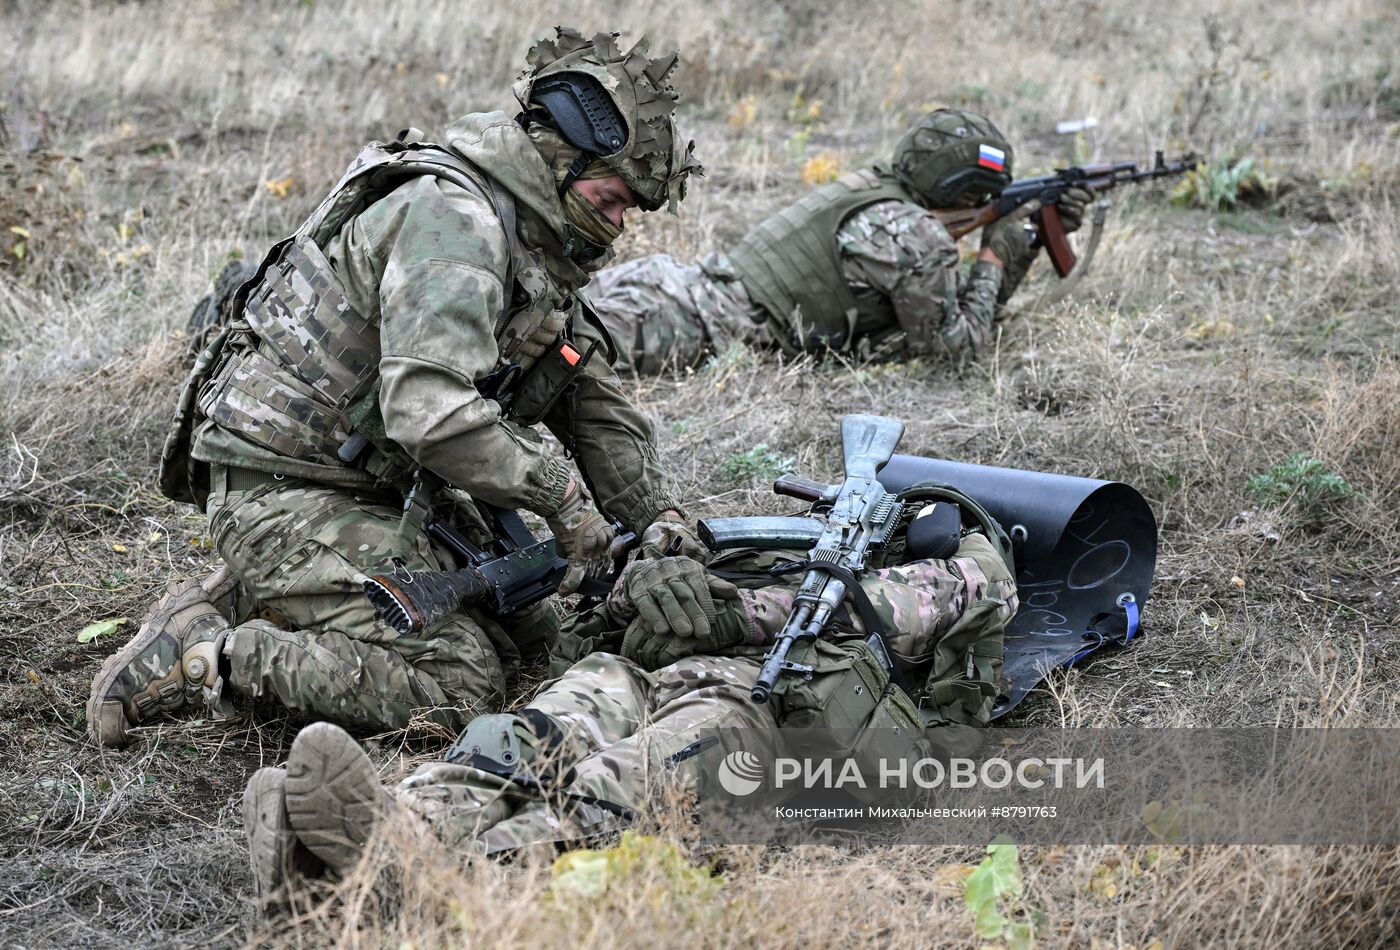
592 233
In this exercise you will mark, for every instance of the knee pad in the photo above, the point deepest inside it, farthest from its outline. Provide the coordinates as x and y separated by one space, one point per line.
510 745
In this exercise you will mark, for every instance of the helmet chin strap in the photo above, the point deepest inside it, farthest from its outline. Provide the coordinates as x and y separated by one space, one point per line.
575 169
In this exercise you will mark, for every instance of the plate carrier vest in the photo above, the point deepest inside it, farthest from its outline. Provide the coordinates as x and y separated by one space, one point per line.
791 265
298 371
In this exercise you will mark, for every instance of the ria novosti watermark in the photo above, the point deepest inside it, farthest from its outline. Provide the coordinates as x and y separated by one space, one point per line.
740 773
1084 786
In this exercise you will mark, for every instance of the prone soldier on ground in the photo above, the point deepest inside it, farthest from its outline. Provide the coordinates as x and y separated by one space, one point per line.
384 368
893 633
668 662
863 262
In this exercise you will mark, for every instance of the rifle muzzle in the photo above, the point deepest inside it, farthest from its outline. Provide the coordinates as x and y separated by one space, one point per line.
415 601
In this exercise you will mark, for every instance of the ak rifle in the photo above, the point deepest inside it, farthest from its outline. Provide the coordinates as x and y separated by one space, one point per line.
1048 189
859 517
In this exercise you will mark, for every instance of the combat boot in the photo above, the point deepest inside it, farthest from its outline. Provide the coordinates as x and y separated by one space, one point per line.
333 795
279 861
172 661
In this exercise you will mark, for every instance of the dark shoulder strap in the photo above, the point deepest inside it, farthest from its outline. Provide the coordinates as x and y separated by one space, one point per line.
504 203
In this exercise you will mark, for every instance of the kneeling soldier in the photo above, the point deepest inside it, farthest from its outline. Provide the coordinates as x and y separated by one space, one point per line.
407 337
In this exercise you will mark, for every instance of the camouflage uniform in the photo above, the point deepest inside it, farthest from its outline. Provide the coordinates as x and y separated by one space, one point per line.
663 314
429 262
303 549
910 297
411 333
627 731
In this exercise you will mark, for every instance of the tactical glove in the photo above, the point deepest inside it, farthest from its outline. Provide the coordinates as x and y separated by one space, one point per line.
681 611
1072 204
674 596
582 535
666 538
1008 238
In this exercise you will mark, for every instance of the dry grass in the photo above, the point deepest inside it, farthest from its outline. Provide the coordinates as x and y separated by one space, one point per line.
138 141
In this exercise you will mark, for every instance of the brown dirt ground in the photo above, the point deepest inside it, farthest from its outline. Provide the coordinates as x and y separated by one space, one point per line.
1204 348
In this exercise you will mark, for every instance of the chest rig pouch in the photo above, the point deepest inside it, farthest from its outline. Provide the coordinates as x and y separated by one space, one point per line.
527 393
300 378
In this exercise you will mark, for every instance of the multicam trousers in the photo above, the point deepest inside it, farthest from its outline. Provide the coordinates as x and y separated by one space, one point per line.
631 733
663 314
302 550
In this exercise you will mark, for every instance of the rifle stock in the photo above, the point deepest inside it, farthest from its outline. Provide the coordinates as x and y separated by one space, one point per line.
868 442
963 221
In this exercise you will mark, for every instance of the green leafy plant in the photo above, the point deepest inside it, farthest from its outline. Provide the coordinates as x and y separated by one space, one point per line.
637 861
1303 481
759 463
989 889
1225 183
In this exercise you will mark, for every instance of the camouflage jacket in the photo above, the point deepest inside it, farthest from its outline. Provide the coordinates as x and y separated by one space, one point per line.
897 252
899 287
919 602
426 267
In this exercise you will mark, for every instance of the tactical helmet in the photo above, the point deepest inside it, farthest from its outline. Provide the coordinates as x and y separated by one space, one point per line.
950 153
613 106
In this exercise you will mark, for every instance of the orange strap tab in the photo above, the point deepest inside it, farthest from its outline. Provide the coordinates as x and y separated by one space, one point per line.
571 355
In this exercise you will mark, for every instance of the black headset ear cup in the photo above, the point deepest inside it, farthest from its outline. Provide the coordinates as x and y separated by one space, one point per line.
936 534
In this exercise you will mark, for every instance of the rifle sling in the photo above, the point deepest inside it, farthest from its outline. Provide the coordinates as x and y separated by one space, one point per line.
855 593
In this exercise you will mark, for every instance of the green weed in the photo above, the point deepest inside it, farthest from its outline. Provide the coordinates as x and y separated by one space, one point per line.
992 885
1303 481
758 464
1225 183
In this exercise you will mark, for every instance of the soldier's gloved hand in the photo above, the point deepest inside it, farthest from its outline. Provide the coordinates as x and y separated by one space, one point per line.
582 535
681 611
1008 238
675 595
1073 204
668 537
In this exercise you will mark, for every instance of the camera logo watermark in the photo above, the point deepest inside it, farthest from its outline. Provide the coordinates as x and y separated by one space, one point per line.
740 773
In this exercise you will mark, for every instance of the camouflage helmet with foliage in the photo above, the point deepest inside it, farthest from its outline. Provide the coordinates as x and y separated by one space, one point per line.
941 158
652 159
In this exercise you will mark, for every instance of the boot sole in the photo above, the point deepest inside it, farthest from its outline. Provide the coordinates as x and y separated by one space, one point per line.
271 839
333 795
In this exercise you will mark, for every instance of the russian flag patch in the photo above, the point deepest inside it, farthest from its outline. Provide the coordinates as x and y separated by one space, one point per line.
993 158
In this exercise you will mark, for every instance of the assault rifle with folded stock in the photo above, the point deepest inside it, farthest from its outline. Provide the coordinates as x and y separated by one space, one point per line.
514 572
858 517
1047 189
